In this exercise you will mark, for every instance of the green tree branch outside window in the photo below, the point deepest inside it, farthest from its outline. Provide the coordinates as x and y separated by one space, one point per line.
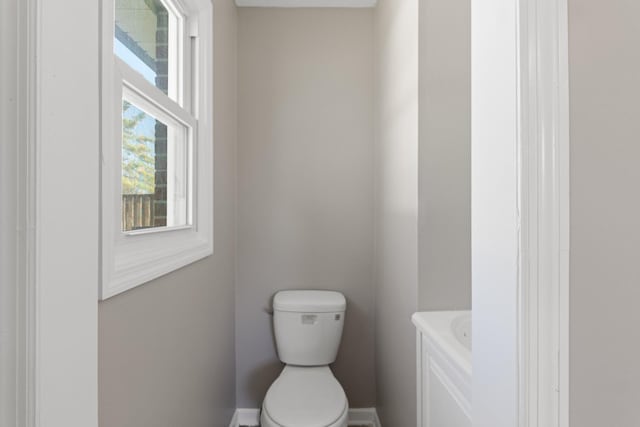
138 158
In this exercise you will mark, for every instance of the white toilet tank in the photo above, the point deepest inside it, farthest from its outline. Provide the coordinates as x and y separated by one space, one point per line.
308 326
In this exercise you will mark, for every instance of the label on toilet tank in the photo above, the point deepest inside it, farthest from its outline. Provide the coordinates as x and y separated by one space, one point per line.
309 319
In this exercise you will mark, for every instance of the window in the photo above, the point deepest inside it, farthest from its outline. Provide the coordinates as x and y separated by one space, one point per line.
147 37
156 139
154 168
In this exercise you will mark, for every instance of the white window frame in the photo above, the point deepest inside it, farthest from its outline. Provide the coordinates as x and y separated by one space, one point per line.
129 259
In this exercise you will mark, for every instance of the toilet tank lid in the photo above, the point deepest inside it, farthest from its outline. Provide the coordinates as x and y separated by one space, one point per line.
309 301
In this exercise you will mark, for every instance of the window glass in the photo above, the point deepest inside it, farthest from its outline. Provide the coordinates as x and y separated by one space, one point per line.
154 170
146 39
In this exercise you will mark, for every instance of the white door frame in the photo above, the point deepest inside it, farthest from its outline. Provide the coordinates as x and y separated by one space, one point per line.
520 210
57 209
544 156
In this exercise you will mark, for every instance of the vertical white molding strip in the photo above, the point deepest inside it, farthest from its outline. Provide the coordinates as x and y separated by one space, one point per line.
27 298
520 204
58 265
564 177
544 156
531 188
419 381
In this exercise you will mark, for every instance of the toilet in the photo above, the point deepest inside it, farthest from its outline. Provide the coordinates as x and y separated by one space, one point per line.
308 327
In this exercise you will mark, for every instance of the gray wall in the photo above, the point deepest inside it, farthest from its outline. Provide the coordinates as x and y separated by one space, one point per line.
396 209
305 183
605 212
445 155
166 349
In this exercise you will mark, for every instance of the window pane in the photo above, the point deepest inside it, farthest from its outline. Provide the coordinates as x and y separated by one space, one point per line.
154 171
146 39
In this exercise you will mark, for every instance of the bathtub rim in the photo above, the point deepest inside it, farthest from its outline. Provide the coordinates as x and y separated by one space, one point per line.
437 325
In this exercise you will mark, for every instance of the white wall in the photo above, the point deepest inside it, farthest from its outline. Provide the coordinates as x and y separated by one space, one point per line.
305 183
604 66
396 226
494 214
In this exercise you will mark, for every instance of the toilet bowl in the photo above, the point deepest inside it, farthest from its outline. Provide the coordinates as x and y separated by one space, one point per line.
308 328
305 397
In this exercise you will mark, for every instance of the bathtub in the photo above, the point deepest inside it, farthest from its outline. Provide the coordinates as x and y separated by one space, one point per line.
443 368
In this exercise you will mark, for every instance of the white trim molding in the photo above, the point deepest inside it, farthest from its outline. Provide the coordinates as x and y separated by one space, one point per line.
520 213
28 304
357 417
246 417
544 244
364 417
234 419
57 251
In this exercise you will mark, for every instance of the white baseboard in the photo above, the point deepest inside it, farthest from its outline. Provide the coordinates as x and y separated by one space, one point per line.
357 416
234 420
246 417
364 417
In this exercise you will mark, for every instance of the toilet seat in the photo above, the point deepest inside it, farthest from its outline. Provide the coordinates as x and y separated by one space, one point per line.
305 397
